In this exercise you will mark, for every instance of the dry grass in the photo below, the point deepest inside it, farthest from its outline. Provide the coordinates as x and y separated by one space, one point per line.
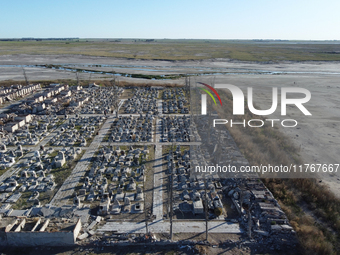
180 49
265 145
313 210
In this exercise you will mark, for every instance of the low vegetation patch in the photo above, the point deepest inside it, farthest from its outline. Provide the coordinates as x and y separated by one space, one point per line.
313 210
174 50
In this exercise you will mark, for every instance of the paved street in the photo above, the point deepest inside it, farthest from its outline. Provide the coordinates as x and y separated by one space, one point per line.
178 227
158 184
66 190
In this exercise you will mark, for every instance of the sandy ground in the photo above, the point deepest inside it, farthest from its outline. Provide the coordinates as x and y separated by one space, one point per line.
316 135
10 67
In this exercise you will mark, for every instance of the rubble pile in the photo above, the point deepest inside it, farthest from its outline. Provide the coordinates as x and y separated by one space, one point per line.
175 129
132 129
116 179
174 101
77 131
144 100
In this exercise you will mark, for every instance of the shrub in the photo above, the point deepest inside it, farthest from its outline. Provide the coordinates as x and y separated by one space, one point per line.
218 211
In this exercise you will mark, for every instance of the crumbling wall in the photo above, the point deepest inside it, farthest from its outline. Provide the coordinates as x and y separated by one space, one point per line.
40 238
76 230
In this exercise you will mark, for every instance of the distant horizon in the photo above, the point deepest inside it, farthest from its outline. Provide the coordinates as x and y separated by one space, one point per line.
150 38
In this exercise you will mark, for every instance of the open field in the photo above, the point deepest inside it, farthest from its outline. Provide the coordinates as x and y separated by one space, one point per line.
260 50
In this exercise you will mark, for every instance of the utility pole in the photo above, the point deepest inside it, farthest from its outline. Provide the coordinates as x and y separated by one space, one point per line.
146 208
77 78
206 208
115 100
242 188
171 195
196 102
187 86
168 190
89 79
113 81
208 126
249 220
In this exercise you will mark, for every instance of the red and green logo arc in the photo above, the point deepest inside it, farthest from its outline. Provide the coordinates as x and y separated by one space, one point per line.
209 93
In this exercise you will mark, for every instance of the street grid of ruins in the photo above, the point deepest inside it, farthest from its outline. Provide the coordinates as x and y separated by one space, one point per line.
122 166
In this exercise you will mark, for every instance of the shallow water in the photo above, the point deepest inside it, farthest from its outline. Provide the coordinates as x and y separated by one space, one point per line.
202 71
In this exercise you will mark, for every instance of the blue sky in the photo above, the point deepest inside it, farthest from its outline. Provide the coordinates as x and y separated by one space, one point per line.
217 19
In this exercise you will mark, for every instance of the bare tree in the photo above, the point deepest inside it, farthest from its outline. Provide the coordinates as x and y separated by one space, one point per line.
26 80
